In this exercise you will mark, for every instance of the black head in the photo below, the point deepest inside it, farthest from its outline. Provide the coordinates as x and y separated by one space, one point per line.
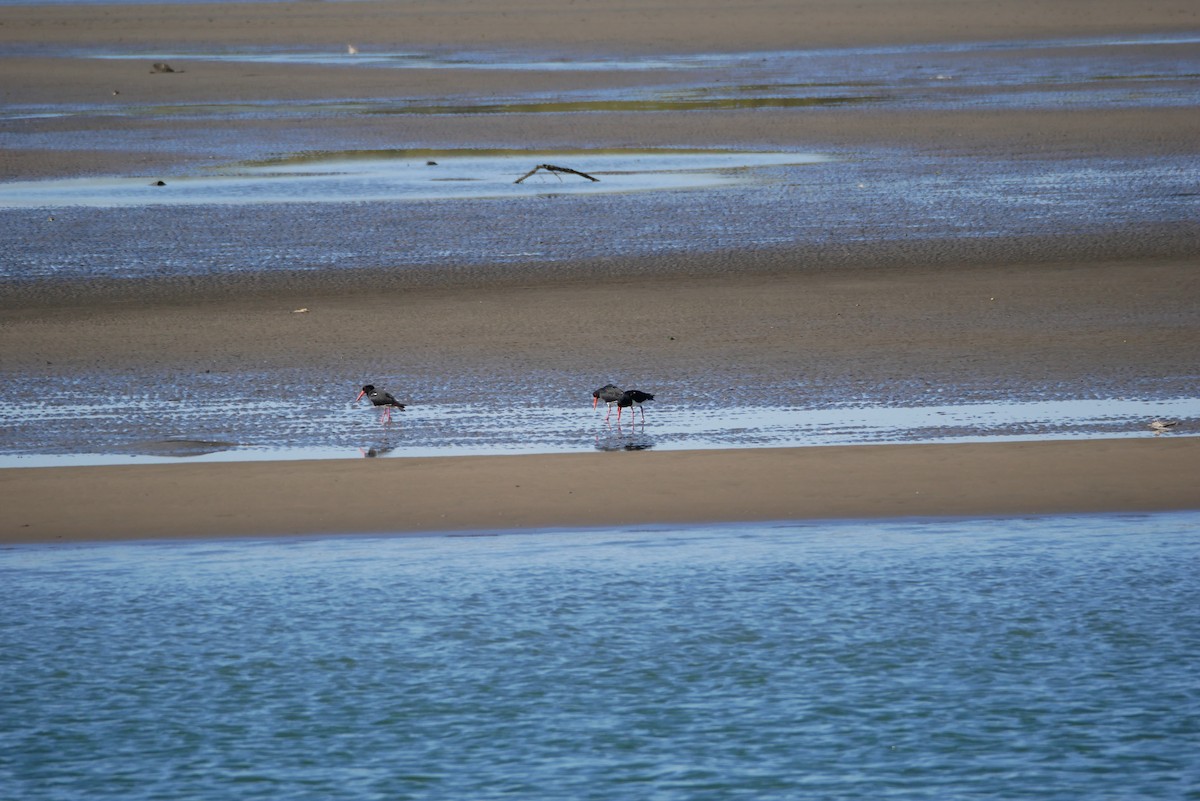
368 388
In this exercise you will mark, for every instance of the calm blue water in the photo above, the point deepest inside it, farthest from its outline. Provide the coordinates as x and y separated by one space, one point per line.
1022 659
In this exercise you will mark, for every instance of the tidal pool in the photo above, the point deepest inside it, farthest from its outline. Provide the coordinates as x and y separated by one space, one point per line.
115 430
399 175
1103 72
1164 69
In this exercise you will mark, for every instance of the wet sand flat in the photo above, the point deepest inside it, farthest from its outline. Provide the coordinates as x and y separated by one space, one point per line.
764 320
1103 306
50 56
554 491
673 26
1124 325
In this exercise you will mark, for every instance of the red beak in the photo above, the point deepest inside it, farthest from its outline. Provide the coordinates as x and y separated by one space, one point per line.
595 400
360 394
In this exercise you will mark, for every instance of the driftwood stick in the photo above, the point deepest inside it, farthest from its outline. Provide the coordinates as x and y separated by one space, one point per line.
554 169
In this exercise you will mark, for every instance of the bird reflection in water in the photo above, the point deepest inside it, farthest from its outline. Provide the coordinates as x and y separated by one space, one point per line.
376 450
380 447
615 439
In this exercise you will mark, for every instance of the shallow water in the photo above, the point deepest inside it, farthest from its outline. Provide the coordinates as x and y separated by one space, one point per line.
1038 658
930 73
350 217
214 420
408 176
843 199
284 202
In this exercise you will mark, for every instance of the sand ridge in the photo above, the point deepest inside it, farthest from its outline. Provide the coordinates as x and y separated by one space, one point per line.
498 493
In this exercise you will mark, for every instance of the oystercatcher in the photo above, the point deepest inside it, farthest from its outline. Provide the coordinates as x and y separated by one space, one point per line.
608 393
631 398
380 398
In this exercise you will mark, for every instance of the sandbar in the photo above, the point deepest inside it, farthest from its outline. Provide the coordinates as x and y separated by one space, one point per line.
1105 313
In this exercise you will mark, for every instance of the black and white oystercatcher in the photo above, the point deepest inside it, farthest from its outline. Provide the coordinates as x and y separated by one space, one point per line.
631 398
378 397
610 394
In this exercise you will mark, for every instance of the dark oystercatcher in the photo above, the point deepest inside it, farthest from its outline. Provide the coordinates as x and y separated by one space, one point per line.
608 393
380 398
631 398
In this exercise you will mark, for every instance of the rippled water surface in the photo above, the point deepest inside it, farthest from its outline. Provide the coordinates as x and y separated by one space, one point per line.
407 176
102 419
249 196
92 226
1045 658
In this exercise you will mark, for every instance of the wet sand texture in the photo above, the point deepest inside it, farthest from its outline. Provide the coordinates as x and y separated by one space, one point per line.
1112 311
621 25
522 492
